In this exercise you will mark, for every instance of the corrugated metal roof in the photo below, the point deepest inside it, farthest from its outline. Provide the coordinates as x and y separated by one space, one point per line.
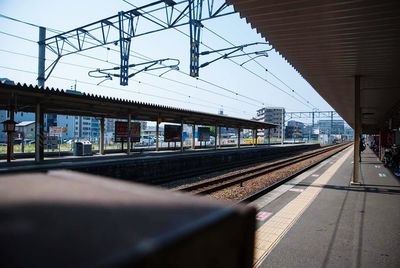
24 123
329 42
56 101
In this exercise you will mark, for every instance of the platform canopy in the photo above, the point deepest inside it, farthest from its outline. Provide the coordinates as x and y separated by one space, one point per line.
331 42
23 98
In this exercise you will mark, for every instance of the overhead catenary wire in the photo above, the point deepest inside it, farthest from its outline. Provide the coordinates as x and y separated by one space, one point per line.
182 83
306 103
259 64
172 80
215 105
205 81
200 79
116 88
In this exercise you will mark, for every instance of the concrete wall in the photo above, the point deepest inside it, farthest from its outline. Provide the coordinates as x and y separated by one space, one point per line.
160 168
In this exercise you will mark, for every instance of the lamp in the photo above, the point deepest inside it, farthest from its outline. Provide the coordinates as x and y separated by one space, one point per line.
9 126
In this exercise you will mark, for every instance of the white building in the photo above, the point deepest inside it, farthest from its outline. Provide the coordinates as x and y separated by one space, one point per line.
274 115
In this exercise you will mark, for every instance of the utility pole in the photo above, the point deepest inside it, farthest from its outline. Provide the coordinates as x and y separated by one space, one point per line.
39 116
42 57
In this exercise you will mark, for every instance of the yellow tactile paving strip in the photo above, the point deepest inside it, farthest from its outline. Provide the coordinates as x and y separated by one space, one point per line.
269 234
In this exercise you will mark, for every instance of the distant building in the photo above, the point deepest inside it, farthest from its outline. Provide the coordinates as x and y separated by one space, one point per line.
294 130
151 131
66 121
25 130
331 127
272 115
348 133
18 117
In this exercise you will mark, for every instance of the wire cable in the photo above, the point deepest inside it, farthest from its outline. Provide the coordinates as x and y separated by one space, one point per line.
262 78
210 83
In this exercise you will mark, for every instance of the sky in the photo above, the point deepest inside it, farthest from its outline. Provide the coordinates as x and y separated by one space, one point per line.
224 84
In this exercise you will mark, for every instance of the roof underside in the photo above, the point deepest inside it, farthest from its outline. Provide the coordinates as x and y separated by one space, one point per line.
25 98
330 42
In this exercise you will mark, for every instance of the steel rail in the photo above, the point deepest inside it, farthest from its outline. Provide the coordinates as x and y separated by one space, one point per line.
223 182
244 164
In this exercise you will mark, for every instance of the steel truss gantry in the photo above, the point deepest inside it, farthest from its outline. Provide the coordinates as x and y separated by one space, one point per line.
310 115
126 25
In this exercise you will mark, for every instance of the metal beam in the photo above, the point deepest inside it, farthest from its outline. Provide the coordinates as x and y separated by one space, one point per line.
158 133
102 136
124 26
215 137
193 137
182 136
128 143
195 14
42 57
238 137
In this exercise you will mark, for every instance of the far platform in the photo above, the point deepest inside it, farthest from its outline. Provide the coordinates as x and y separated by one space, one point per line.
320 220
147 165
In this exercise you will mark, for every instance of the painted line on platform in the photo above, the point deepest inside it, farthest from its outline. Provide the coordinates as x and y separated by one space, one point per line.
273 230
296 190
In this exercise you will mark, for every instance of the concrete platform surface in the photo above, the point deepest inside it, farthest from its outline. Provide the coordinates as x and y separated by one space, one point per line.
319 220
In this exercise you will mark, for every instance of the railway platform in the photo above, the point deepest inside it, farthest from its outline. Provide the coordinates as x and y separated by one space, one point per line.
320 220
151 165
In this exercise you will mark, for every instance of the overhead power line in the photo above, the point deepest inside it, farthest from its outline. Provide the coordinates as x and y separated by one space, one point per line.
205 81
306 103
215 105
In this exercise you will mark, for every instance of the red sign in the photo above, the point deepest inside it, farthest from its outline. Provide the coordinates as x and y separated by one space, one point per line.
172 133
121 131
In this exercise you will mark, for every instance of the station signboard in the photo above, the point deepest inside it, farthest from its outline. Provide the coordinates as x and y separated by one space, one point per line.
204 134
51 142
121 131
172 133
56 130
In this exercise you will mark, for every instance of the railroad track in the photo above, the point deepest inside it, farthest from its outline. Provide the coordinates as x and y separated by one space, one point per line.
225 181
177 177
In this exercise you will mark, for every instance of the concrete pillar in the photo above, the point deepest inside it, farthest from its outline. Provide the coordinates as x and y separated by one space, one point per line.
12 113
357 132
181 136
102 151
219 137
128 143
39 134
215 137
193 137
238 141
252 138
379 145
157 133
269 136
257 136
